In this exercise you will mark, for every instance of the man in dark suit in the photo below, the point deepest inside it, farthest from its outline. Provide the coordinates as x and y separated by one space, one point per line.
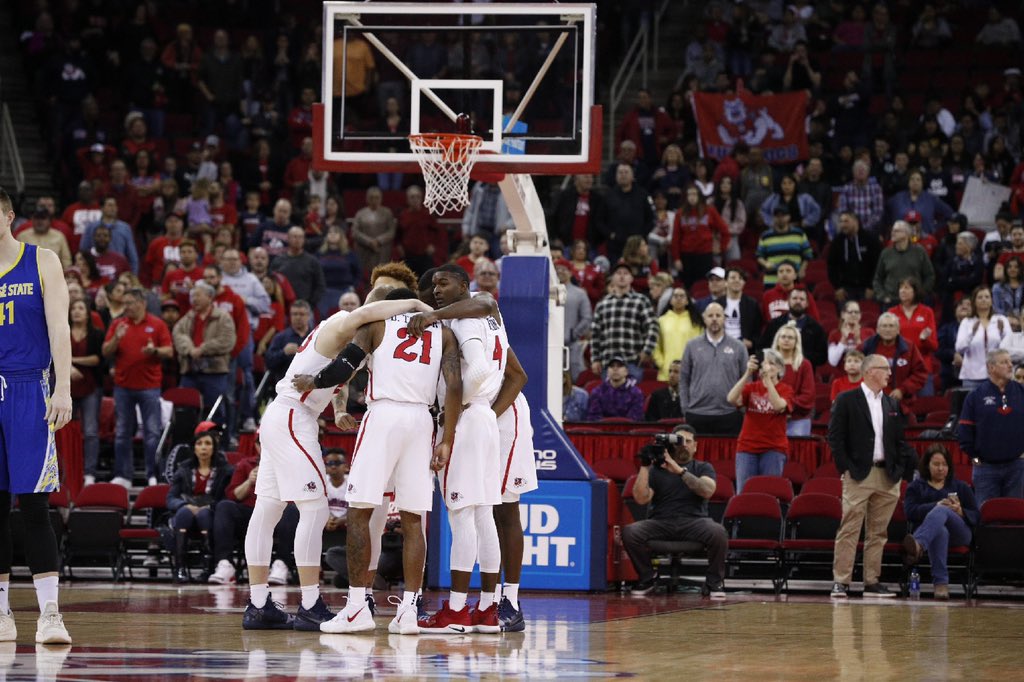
742 312
866 437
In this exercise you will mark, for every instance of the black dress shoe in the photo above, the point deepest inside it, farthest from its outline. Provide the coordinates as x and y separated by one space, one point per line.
878 590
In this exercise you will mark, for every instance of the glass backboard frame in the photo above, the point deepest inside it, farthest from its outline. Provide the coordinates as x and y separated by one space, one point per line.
582 16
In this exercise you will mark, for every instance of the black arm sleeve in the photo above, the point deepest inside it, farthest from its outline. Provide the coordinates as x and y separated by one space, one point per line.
341 368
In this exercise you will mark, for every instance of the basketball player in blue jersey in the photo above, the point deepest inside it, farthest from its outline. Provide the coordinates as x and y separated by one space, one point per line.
33 332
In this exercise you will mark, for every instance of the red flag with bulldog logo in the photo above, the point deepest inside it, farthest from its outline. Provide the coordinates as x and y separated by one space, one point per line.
775 123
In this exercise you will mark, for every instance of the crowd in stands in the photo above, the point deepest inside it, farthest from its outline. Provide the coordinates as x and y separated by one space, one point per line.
204 246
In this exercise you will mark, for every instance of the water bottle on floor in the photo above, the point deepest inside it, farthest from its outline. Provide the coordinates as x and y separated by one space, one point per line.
915 584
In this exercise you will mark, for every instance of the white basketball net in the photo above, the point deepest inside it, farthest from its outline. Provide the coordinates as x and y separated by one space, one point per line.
446 161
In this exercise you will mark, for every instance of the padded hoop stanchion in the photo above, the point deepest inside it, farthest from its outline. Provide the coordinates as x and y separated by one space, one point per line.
446 161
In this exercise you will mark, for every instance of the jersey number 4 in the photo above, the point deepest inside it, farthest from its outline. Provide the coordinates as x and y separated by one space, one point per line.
7 313
402 350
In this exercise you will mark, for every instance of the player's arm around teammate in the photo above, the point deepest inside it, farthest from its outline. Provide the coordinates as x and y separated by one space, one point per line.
481 305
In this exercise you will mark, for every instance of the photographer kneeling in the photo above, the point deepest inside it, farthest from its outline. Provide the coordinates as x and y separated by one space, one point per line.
678 488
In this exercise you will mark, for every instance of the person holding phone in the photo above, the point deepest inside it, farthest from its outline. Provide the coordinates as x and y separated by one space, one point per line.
763 446
944 511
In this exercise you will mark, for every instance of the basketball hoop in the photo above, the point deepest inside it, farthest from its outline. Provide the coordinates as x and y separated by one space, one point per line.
446 161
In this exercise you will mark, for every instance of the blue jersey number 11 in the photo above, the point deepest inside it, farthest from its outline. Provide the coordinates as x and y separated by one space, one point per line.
6 313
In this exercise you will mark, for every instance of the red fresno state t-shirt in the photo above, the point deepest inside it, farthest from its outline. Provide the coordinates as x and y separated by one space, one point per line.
764 429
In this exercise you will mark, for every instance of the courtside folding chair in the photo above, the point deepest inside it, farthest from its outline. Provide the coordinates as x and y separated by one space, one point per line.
94 526
151 503
754 524
998 544
810 536
778 487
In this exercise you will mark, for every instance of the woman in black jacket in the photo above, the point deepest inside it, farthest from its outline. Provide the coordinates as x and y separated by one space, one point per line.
198 484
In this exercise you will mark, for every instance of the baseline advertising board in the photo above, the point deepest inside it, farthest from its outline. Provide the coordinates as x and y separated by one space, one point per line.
564 549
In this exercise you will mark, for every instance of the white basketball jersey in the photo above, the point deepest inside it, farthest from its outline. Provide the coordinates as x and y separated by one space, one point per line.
405 368
495 343
308 361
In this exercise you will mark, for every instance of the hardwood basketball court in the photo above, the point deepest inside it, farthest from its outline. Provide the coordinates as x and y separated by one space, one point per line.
159 632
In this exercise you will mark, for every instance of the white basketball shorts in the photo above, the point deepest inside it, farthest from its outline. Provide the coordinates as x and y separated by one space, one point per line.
471 477
291 465
394 445
518 469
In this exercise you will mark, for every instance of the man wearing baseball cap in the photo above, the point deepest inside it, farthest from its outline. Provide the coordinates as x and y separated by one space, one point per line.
925 241
624 325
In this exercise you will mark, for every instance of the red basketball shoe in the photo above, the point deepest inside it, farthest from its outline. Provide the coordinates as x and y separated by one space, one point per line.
486 620
447 621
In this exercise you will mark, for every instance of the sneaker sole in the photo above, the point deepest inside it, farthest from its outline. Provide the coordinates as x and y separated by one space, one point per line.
57 639
347 630
839 596
487 629
304 625
268 626
398 630
448 630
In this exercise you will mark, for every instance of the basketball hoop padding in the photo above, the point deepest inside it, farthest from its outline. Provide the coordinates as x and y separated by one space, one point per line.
446 161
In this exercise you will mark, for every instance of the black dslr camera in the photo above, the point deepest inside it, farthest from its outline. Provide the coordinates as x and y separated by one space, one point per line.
655 453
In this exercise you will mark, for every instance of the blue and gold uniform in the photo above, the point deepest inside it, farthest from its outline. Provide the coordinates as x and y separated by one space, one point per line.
28 454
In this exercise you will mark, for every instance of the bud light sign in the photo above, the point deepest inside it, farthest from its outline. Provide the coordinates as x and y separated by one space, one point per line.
564 543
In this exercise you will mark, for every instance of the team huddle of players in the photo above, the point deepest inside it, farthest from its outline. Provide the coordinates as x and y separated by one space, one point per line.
437 348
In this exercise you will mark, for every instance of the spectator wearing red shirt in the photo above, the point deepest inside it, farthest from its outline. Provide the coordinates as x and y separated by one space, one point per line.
852 365
178 282
928 242
478 247
119 187
300 123
775 301
849 335
82 213
1016 250
163 250
799 375
223 213
136 342
588 276
917 326
93 160
908 369
296 173
136 138
648 127
693 233
762 446
109 263
422 243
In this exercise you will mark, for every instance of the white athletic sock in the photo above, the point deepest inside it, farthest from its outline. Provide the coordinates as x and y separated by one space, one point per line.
356 597
310 593
512 594
408 599
486 599
5 596
259 594
46 590
457 601
497 593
